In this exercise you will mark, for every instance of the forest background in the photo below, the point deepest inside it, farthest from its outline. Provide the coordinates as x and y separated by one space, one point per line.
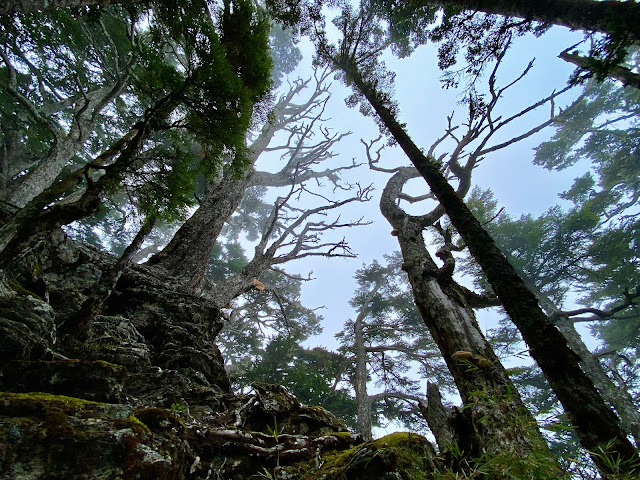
580 254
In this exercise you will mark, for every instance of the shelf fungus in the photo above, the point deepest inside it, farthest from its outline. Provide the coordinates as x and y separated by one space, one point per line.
482 362
462 356
479 360
258 285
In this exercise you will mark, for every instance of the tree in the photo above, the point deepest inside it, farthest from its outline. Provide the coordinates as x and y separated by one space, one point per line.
308 144
552 254
483 26
385 340
200 79
590 248
56 97
357 58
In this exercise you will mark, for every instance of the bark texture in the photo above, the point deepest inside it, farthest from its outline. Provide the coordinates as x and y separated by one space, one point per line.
597 426
623 74
39 217
608 16
186 256
362 397
495 419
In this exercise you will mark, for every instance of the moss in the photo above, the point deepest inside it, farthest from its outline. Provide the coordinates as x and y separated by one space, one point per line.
23 292
67 402
159 420
400 455
112 366
134 424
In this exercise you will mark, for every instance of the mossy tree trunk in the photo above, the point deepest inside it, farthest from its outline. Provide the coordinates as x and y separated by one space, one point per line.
494 418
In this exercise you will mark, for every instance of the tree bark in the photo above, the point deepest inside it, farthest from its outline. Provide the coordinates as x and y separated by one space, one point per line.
597 426
187 255
496 420
618 398
622 74
609 16
44 213
363 425
438 418
65 144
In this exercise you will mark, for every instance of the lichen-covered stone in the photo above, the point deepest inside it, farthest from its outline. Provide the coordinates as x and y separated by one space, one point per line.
27 328
59 438
399 456
115 339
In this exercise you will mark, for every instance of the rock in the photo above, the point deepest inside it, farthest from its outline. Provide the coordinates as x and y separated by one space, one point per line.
27 328
60 438
401 456
98 381
275 398
143 393
115 339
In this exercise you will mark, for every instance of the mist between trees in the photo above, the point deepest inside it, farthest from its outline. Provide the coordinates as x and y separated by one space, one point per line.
177 136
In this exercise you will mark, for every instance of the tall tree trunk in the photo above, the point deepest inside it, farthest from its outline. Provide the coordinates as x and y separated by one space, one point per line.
187 255
609 16
617 397
363 401
495 418
597 426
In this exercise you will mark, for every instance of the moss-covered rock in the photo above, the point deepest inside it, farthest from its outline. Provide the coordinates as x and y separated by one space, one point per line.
58 437
405 456
143 393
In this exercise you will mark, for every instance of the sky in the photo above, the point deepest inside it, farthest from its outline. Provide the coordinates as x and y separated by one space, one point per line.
518 185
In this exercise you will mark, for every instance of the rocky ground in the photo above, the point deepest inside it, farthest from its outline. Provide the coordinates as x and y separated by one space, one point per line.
142 392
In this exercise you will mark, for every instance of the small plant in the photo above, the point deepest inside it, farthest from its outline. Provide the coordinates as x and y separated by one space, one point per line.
178 407
273 431
619 468
266 474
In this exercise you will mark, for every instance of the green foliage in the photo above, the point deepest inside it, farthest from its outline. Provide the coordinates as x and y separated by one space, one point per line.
178 407
273 431
191 78
56 54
